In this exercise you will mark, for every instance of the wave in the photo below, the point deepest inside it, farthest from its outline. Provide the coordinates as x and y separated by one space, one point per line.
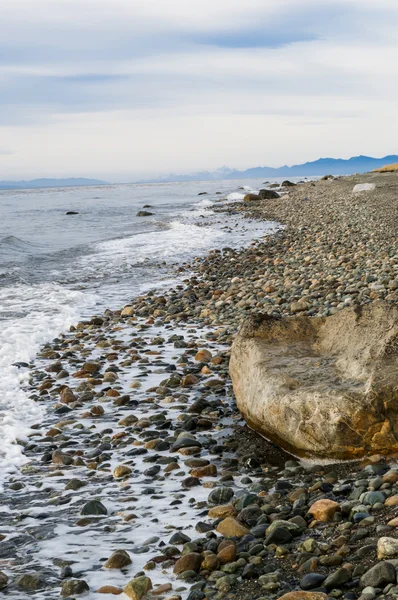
12 241
38 314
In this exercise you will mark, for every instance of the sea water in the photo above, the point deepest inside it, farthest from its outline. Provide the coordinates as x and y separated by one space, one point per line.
56 268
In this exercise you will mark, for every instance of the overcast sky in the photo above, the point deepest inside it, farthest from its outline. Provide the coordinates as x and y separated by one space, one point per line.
121 89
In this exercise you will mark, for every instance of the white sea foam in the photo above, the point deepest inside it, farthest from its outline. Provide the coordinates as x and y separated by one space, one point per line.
40 312
235 197
118 255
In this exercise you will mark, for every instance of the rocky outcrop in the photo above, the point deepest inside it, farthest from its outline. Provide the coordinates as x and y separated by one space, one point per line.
387 169
322 387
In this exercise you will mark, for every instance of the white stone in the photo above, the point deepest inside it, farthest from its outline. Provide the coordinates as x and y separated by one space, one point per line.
387 548
364 187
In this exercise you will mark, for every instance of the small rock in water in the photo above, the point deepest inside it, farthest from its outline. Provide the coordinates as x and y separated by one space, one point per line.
74 587
137 588
118 560
94 507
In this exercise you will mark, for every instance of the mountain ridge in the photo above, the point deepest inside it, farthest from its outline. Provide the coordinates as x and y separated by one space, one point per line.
321 166
49 182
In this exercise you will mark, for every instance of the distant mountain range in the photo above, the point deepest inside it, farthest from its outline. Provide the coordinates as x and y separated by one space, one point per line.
322 166
49 183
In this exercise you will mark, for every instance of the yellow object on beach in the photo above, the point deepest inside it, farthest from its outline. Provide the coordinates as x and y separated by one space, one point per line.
387 169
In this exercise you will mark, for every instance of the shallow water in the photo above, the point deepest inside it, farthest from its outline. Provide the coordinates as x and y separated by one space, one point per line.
57 268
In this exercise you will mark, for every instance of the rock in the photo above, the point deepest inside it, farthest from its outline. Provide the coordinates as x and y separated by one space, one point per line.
75 484
220 495
220 512
74 587
121 471
230 527
251 198
379 575
118 560
226 552
137 588
94 507
60 458
29 581
203 356
3 580
188 562
288 183
304 596
268 195
363 187
110 589
305 410
338 578
278 536
324 509
387 548
297 307
311 581
128 311
290 526
144 213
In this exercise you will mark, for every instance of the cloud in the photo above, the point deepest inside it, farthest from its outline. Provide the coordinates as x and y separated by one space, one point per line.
123 66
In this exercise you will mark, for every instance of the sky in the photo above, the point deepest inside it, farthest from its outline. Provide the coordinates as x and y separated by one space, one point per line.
127 89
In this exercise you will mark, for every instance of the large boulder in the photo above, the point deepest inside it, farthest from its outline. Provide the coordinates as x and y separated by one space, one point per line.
323 387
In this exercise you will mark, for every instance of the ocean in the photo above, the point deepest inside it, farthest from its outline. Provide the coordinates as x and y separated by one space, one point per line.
56 268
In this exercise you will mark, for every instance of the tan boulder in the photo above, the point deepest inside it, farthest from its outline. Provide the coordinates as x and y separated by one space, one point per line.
391 501
189 562
324 509
323 387
226 552
251 198
222 511
230 527
118 560
207 471
121 471
138 587
203 355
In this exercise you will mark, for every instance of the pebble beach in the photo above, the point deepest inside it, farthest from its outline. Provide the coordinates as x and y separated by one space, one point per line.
144 482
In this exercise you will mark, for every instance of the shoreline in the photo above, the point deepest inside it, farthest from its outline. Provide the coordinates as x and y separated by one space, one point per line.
146 390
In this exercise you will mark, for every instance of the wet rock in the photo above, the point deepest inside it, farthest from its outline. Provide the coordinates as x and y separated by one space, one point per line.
221 495
137 588
230 527
30 581
122 471
118 560
94 507
3 580
74 587
189 562
110 589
